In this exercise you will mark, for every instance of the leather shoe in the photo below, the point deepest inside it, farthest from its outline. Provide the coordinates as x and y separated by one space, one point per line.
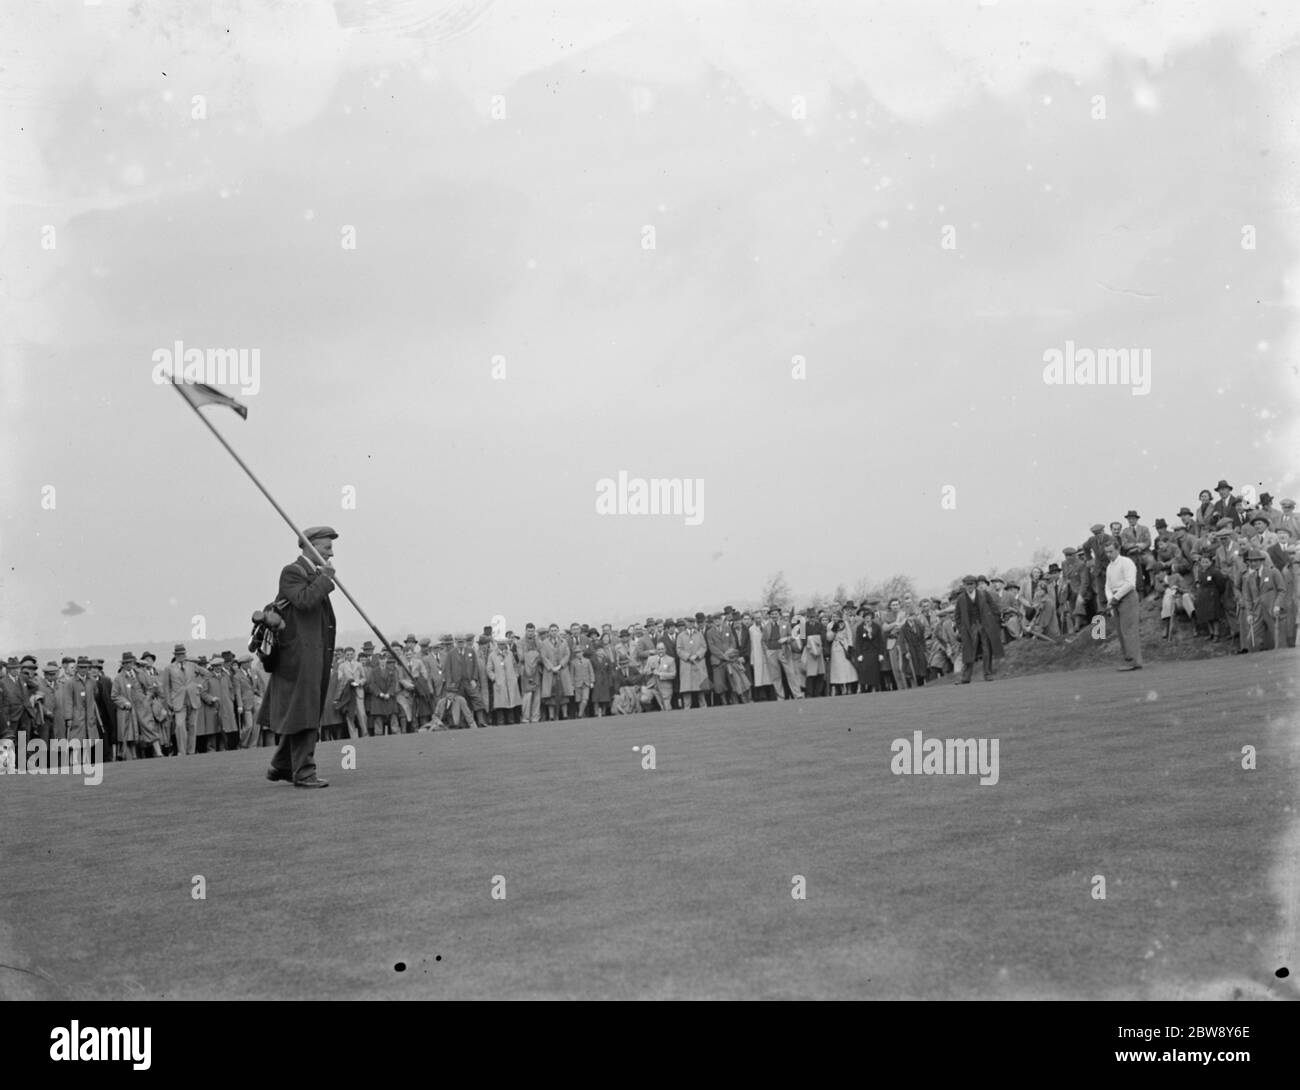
274 775
1130 666
313 782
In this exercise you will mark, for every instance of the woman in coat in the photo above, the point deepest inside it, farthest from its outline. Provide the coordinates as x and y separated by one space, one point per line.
602 669
1205 519
939 645
891 623
381 697
331 719
813 656
1208 585
842 675
503 672
870 653
209 719
1045 616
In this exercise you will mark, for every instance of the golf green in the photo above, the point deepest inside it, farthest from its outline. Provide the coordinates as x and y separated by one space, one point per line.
613 880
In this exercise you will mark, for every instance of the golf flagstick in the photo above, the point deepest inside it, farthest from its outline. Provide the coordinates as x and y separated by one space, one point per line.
223 399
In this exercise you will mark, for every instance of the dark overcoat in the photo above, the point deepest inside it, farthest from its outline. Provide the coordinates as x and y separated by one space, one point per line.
868 646
296 695
983 613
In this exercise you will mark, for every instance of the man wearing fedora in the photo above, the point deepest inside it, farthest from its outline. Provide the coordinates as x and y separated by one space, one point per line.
1227 506
296 694
181 687
1135 543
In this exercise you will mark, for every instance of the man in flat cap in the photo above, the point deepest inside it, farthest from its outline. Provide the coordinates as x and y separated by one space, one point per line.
1093 551
77 706
1289 519
13 700
1078 589
296 696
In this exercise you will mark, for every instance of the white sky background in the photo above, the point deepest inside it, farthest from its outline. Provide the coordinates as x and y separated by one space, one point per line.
521 237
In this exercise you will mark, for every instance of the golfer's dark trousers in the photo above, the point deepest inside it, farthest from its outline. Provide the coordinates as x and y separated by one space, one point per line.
985 649
296 753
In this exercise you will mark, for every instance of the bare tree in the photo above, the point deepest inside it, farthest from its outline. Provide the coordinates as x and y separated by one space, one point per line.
862 589
776 592
841 594
894 587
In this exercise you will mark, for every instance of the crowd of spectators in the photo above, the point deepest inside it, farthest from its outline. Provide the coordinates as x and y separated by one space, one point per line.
1225 568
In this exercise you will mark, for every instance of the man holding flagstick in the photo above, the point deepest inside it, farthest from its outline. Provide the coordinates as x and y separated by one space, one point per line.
296 695
302 673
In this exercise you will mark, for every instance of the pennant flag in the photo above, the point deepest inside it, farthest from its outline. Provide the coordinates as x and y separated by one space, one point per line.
199 394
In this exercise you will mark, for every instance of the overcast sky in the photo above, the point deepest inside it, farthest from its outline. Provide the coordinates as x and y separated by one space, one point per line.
497 164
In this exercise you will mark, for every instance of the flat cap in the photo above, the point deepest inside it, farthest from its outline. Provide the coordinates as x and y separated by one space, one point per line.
312 533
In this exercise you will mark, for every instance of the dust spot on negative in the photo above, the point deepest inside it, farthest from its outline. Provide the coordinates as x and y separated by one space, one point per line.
400 967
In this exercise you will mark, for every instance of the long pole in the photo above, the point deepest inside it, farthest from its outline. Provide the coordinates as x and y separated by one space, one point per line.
285 515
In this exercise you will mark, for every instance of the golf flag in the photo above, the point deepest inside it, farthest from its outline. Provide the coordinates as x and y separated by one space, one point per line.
198 395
